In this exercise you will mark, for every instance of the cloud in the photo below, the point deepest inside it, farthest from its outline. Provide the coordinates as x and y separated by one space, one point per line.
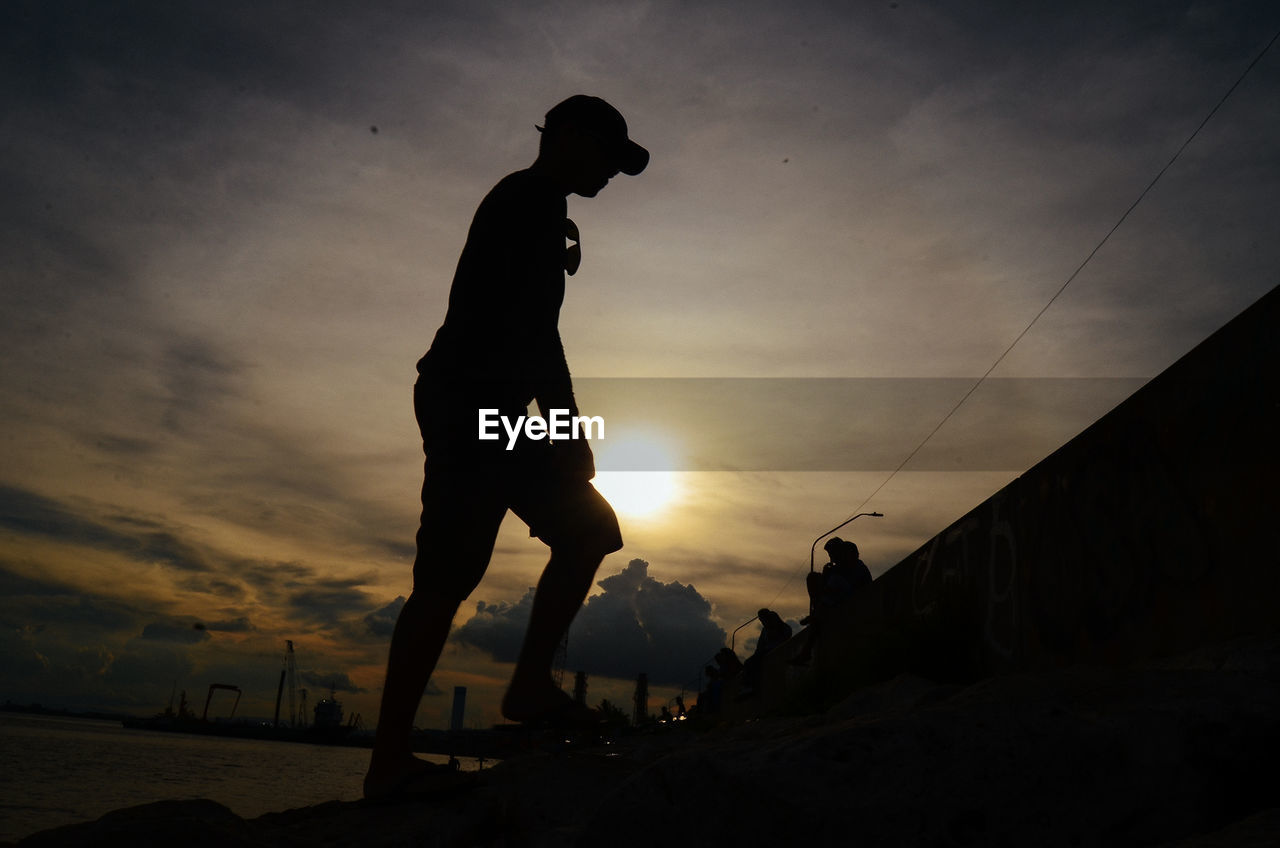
59 644
139 538
636 624
381 622
13 585
92 661
498 628
80 647
336 680
41 605
165 548
213 584
328 601
240 624
294 587
20 660
143 668
197 379
273 577
186 633
640 624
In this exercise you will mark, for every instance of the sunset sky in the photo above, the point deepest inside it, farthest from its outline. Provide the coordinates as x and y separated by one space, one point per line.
229 231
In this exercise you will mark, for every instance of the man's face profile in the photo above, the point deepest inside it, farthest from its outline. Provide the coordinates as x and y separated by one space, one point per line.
592 167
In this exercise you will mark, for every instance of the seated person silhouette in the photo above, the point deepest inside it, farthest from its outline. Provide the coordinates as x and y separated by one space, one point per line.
728 662
709 698
499 349
840 579
773 632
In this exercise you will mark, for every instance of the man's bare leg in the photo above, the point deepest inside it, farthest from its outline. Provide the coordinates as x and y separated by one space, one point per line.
561 590
421 630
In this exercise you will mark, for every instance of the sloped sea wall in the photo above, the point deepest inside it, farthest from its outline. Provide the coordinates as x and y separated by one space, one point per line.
1151 533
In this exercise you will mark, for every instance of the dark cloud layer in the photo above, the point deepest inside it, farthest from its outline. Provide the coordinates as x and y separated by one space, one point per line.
186 633
498 628
69 644
636 624
240 624
141 539
310 596
381 622
329 601
36 605
77 647
339 681
640 624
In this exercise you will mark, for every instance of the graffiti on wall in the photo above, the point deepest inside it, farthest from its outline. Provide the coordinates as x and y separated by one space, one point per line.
1069 558
1148 533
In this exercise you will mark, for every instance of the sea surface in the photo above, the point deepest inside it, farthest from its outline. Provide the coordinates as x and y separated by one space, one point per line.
56 771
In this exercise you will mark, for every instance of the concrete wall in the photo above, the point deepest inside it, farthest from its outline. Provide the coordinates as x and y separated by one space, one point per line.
1151 533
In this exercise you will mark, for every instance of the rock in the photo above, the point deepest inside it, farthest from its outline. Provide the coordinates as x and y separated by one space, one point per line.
1179 753
191 824
1073 757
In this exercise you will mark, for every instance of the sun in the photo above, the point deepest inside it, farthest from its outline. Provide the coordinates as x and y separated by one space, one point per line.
639 479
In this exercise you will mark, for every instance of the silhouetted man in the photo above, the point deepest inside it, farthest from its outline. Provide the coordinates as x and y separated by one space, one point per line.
498 349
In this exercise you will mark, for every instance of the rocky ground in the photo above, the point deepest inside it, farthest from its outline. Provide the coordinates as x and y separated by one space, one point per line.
1180 753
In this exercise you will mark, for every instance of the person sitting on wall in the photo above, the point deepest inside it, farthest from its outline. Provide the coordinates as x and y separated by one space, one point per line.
773 632
709 698
840 579
728 662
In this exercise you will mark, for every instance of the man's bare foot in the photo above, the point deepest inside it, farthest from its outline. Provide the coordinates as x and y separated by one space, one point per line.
386 778
543 703
532 701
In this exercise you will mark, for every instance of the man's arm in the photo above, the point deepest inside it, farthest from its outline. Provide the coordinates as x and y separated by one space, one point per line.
555 386
556 392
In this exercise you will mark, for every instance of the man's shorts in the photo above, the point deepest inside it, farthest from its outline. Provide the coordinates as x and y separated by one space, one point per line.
467 490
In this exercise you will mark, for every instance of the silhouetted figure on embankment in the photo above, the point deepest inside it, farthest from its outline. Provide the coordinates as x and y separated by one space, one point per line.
709 698
499 349
839 580
728 662
773 632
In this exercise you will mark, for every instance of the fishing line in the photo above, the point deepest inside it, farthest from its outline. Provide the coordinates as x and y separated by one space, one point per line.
1063 287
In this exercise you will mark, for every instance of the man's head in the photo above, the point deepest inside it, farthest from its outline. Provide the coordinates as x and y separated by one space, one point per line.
839 549
586 139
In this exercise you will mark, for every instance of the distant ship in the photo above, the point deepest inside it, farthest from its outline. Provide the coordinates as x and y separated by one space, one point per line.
328 712
329 727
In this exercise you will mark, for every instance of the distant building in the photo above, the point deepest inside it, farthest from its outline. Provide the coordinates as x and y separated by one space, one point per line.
329 711
459 707
641 715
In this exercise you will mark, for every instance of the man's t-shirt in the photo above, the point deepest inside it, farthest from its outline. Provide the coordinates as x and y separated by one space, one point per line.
499 345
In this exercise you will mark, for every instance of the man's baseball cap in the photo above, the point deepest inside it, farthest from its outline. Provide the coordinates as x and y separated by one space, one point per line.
605 123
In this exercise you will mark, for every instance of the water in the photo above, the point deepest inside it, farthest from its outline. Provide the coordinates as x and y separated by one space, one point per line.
56 771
